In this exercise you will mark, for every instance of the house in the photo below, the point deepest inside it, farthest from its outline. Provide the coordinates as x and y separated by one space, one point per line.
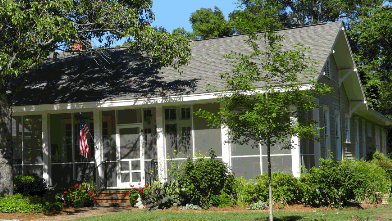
140 118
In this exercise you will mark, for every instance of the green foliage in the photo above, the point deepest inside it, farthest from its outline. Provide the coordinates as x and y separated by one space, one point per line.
27 204
225 200
210 24
182 32
202 181
81 194
285 188
260 205
158 198
383 162
189 206
338 183
371 35
133 195
30 185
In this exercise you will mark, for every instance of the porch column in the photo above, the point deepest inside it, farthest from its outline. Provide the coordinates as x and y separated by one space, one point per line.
295 154
316 144
47 174
226 147
98 145
160 144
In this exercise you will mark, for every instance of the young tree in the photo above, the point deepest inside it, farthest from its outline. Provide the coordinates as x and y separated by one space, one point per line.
31 30
210 24
268 90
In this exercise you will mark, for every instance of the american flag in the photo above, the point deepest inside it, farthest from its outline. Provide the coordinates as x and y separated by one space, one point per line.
84 132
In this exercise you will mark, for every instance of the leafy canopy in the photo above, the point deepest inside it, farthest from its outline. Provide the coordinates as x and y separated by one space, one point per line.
207 23
31 30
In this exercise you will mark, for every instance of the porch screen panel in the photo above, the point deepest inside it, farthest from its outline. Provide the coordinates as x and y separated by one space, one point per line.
278 163
17 144
61 138
85 171
88 118
109 135
32 151
248 167
245 149
206 137
150 135
278 148
129 116
62 173
111 174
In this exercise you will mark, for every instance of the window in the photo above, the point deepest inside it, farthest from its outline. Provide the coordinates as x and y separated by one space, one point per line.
185 113
348 140
170 114
369 129
326 68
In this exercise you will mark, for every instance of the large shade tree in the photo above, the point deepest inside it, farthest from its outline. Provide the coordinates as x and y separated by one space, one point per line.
268 92
31 30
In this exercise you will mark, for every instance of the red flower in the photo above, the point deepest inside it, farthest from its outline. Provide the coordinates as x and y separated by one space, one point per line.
77 196
138 183
69 190
93 196
71 198
141 190
134 188
91 190
77 185
65 192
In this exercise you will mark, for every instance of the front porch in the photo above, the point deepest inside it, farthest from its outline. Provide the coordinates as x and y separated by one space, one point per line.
132 145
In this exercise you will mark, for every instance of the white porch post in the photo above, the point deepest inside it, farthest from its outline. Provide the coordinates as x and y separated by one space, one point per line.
295 153
160 143
98 145
363 139
226 147
46 148
316 144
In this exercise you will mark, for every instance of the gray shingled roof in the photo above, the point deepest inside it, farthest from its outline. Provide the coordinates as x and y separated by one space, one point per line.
115 74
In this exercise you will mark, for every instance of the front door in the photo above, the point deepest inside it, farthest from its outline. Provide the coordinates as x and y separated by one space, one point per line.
130 170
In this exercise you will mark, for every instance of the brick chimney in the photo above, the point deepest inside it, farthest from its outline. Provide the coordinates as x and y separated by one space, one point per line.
81 45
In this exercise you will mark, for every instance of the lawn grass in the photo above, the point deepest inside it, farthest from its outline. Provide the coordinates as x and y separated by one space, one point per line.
368 214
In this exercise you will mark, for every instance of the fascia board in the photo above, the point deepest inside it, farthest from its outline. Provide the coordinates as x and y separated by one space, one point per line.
118 104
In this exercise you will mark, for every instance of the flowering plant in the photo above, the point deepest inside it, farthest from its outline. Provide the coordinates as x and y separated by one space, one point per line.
80 195
134 193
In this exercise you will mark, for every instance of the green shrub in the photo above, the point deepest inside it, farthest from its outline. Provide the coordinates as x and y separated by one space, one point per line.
338 183
383 162
202 181
27 204
240 190
157 198
285 188
30 185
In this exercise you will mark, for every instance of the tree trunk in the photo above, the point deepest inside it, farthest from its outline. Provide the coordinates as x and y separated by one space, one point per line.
6 183
271 217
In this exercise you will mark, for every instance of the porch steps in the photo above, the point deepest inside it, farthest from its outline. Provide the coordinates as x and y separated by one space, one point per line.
113 198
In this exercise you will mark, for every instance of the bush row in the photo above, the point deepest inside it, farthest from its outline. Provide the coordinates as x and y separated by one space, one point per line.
208 182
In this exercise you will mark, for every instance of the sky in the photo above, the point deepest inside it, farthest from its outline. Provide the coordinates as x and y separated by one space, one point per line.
172 14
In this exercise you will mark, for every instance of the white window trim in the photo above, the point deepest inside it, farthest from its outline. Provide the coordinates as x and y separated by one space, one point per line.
327 68
327 137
